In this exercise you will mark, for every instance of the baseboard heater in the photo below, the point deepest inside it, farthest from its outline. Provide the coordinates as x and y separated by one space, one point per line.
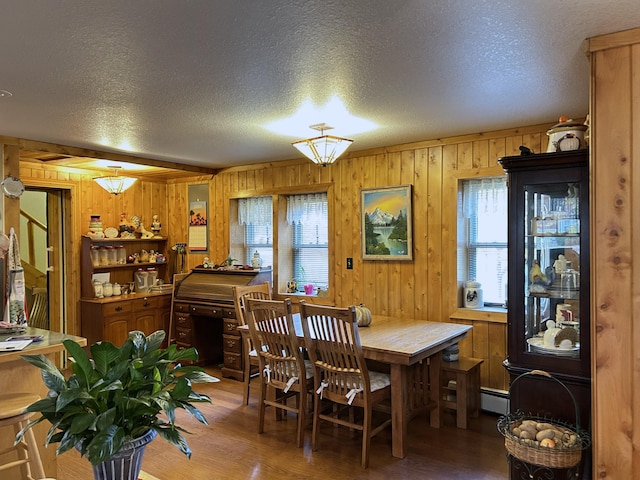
493 400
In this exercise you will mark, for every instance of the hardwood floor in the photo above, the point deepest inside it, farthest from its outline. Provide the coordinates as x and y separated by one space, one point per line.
230 448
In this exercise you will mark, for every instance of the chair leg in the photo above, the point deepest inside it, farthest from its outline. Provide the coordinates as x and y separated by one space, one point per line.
263 395
34 466
366 435
302 406
246 380
316 421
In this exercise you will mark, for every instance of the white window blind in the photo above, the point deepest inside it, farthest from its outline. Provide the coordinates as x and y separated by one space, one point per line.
256 215
308 214
484 212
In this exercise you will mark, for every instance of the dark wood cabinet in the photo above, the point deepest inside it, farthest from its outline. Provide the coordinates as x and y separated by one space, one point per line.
205 316
548 325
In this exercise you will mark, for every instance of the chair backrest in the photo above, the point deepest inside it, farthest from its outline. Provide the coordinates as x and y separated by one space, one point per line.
262 291
271 326
333 343
39 313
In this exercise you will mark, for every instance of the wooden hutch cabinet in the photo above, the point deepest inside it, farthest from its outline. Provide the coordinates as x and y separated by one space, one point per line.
548 325
112 318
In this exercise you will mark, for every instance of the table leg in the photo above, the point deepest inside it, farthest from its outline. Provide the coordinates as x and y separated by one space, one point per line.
435 363
399 410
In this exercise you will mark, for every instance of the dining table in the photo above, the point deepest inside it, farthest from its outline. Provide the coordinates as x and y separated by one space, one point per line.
412 349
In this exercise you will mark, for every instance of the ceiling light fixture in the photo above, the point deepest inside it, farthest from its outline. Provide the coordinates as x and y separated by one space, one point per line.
115 183
325 149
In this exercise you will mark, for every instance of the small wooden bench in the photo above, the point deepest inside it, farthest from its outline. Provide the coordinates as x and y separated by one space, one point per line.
464 396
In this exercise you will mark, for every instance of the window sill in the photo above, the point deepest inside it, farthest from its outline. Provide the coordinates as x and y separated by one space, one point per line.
486 314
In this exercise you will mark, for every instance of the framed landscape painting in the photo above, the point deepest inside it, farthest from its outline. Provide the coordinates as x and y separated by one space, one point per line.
386 223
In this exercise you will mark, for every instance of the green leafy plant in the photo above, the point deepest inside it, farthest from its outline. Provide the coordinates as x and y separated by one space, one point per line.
119 394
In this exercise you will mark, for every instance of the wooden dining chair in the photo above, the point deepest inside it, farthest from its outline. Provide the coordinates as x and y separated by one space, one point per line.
341 375
281 358
39 313
261 291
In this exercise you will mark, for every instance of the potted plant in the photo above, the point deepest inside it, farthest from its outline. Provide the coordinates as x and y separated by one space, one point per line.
118 400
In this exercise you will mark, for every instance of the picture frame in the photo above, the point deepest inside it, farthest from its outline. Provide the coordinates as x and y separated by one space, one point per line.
386 223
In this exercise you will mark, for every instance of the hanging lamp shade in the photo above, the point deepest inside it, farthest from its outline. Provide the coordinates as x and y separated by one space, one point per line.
115 184
325 149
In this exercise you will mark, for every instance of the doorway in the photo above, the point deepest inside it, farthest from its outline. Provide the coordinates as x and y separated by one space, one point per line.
42 232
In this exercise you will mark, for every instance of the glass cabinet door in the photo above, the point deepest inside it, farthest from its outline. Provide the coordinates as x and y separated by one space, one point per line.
548 300
552 259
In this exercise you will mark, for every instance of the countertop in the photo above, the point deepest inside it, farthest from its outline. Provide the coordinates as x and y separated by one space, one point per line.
129 296
51 343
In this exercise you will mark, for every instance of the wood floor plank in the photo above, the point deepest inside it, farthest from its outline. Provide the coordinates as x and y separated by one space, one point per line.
230 448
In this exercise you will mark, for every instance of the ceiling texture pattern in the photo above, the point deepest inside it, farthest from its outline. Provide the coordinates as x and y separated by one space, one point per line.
196 81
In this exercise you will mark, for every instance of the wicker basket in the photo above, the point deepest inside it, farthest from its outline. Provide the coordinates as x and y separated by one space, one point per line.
560 456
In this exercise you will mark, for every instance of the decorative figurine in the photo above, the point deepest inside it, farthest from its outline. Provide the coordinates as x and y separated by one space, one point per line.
535 274
560 264
126 228
95 228
144 233
156 226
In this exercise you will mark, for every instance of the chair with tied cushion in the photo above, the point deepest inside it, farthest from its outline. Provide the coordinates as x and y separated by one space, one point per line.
281 358
340 372
240 293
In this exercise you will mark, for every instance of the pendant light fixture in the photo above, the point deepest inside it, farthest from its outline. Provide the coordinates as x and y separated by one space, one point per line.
325 149
115 184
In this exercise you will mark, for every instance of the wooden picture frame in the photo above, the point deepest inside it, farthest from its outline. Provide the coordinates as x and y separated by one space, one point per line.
386 223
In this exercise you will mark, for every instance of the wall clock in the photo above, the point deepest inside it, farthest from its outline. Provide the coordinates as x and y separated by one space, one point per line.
12 187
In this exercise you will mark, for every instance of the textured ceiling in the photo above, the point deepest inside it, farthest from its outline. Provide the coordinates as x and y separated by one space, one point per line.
194 82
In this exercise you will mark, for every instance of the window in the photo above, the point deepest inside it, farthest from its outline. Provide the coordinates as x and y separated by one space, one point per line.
482 236
255 214
308 215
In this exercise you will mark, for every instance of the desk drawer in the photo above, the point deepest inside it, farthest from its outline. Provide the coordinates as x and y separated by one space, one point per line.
233 361
183 320
183 336
231 344
206 311
229 312
181 307
230 327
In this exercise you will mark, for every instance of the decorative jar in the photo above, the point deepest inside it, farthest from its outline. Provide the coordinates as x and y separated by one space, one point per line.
473 295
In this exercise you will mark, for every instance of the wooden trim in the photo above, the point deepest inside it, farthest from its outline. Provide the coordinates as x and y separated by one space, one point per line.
612 40
118 157
487 314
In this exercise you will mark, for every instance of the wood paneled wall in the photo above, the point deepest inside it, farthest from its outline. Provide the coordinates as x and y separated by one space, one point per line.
615 242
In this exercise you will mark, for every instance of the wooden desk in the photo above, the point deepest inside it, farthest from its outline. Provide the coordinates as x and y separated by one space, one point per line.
409 347
16 375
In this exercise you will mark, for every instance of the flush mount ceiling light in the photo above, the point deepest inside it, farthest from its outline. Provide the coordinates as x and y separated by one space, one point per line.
325 149
115 183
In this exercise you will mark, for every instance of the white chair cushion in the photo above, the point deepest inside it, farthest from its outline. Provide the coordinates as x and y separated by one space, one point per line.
308 366
379 380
